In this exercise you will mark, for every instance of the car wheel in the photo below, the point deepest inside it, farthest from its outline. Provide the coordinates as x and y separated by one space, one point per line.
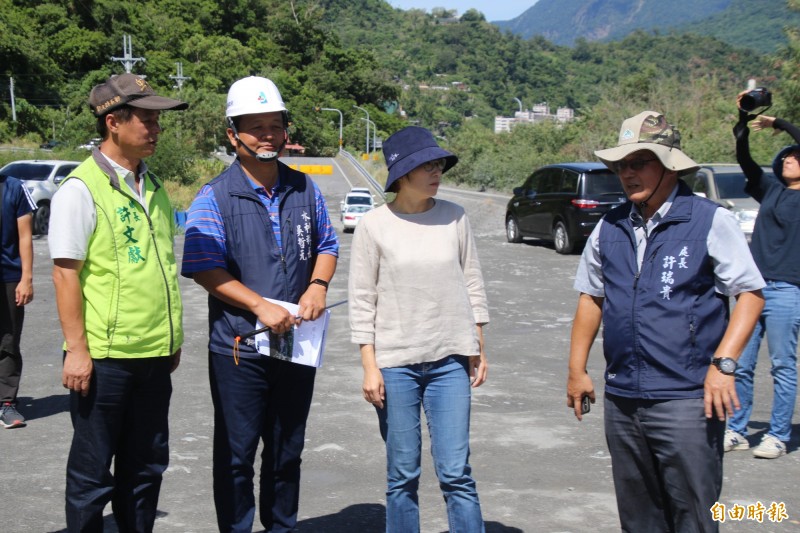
512 230
561 240
41 220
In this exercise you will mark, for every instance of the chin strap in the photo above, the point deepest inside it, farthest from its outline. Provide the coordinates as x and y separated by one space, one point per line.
263 157
643 203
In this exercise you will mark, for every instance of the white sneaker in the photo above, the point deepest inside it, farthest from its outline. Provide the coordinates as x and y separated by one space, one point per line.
769 448
735 441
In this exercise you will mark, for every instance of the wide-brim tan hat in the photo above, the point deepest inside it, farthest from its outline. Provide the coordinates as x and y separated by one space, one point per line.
649 130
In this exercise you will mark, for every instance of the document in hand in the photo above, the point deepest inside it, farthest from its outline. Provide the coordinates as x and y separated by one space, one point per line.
304 344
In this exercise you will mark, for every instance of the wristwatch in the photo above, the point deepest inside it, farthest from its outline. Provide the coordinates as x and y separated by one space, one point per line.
320 282
726 365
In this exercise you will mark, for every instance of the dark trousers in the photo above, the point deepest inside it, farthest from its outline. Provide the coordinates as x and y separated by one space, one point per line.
667 463
262 399
11 318
125 418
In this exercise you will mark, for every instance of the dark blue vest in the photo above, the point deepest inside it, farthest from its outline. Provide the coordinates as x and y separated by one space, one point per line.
253 255
661 325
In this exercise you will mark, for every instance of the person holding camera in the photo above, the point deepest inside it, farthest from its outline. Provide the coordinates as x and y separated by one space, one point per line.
776 249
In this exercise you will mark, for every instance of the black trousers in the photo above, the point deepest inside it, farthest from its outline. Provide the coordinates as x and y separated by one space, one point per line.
11 318
123 420
666 458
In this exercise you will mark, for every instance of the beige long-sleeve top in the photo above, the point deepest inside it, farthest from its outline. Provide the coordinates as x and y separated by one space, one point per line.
416 288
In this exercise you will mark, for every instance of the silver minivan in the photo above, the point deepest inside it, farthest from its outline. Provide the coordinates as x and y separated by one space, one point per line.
724 184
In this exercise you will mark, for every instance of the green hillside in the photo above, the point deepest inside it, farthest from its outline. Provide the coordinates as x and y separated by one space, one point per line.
754 24
453 75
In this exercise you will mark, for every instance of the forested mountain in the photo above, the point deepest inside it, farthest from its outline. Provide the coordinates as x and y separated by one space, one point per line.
452 74
755 24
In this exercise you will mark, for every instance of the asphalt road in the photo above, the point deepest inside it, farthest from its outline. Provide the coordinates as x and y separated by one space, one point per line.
537 468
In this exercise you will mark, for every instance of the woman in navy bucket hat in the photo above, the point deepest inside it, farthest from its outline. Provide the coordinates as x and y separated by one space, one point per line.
409 148
417 309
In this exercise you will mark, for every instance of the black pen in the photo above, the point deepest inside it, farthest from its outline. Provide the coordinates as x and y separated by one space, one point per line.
267 328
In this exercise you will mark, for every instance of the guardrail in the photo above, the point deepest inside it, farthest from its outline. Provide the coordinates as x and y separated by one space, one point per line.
364 172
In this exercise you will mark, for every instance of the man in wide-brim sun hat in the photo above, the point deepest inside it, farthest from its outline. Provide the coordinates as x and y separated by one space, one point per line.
657 272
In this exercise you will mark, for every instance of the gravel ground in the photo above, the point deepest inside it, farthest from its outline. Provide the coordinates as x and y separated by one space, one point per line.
537 468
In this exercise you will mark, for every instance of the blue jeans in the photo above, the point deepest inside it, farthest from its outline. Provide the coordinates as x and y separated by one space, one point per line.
780 320
442 388
259 399
124 418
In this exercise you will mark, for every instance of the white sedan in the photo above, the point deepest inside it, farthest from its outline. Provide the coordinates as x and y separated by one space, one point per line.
352 214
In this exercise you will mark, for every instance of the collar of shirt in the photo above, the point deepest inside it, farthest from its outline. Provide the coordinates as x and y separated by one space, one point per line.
128 177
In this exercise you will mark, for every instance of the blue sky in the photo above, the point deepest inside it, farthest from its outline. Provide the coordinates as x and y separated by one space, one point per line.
492 9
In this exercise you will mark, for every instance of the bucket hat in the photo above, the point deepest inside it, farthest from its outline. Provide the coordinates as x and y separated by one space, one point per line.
128 89
409 148
777 163
649 130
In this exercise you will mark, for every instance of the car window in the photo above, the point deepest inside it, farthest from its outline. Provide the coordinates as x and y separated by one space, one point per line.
569 181
550 181
532 182
358 200
64 171
730 185
599 183
28 171
698 183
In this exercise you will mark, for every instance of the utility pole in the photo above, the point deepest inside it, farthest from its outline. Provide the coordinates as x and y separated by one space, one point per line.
341 120
127 59
13 107
180 78
366 144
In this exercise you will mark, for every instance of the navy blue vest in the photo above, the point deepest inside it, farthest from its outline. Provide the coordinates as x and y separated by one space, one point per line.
661 325
253 255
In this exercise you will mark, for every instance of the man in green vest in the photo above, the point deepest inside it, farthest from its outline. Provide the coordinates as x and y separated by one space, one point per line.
116 285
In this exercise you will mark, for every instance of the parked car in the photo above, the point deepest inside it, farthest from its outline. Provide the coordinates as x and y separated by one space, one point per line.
724 184
41 178
562 203
352 214
49 145
91 145
356 196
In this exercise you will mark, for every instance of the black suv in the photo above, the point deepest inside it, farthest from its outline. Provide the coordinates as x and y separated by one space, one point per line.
562 203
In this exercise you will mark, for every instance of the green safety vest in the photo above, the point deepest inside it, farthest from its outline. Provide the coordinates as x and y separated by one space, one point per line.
131 301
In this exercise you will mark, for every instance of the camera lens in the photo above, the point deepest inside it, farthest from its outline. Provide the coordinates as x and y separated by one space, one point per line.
748 102
759 97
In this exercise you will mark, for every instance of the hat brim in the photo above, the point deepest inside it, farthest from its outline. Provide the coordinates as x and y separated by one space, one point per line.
672 158
413 160
160 103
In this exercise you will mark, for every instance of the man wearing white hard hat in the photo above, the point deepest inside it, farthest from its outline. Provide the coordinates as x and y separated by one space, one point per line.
258 230
657 273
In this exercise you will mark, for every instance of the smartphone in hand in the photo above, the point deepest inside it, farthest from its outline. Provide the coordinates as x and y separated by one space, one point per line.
586 405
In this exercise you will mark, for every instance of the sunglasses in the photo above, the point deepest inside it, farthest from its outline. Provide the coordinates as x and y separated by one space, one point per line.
633 164
436 164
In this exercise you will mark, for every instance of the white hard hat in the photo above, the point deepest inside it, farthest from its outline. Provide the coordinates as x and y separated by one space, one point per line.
253 95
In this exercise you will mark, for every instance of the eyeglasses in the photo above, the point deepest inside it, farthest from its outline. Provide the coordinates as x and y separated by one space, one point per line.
794 156
633 164
436 164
